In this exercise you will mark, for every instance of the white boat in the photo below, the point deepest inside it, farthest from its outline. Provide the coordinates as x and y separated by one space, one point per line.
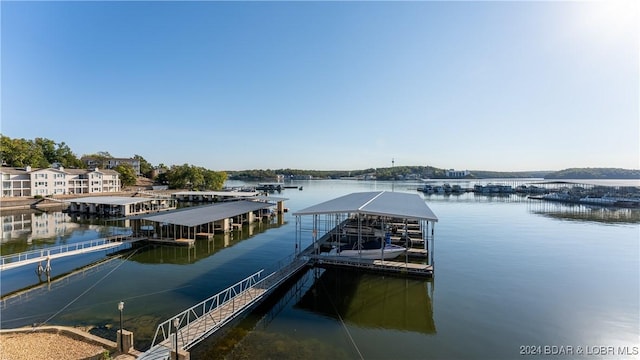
557 196
389 251
605 200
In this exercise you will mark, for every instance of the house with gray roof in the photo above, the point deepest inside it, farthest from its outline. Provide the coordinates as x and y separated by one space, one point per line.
28 182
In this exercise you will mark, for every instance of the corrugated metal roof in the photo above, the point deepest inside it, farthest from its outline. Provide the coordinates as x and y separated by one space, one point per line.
109 200
198 215
383 203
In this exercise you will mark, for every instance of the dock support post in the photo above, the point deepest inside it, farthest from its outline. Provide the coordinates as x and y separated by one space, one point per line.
176 350
47 268
433 239
124 341
180 355
120 337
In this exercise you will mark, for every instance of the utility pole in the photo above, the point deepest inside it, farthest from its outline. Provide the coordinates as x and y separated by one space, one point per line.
393 178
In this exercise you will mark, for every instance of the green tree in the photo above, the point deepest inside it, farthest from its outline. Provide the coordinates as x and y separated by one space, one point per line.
214 180
67 158
48 149
22 152
193 177
127 174
146 168
177 176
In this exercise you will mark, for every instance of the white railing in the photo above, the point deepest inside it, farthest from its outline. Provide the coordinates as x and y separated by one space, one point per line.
199 321
204 310
58 251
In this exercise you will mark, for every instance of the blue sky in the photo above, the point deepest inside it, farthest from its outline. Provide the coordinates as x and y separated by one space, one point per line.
328 85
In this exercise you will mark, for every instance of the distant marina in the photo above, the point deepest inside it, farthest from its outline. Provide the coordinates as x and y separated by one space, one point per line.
603 193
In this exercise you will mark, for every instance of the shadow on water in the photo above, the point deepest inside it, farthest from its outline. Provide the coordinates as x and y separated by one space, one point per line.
370 301
349 299
47 283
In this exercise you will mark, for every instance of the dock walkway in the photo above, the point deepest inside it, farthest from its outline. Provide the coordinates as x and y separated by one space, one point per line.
46 254
195 324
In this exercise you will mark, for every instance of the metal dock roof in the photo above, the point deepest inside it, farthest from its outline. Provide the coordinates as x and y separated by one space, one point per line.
218 193
198 215
110 200
383 203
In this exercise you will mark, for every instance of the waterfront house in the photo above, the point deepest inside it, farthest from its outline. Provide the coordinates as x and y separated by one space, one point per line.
28 182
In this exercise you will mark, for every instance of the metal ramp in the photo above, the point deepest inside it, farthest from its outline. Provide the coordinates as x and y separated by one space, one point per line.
195 324
34 256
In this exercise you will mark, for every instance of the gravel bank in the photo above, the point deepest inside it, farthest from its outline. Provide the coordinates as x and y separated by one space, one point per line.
57 343
40 345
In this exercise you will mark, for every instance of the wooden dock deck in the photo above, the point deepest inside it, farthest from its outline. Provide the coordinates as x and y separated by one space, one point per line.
417 253
386 266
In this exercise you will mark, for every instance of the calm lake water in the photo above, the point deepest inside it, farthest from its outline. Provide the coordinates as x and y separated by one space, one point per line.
512 277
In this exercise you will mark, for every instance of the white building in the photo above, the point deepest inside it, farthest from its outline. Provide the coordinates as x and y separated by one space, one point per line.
456 173
27 182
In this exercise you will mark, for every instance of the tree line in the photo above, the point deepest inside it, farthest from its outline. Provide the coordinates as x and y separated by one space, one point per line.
44 153
387 173
594 173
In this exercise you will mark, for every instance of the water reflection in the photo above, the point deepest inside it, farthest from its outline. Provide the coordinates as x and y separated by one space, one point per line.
579 212
47 284
24 230
339 304
202 248
370 301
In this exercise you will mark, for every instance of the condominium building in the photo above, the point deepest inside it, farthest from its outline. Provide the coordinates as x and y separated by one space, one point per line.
110 163
28 182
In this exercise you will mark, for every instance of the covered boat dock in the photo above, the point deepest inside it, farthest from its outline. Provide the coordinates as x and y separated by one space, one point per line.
212 196
379 216
183 226
119 205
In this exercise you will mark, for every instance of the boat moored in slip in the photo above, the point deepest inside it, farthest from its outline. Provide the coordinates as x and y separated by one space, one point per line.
369 250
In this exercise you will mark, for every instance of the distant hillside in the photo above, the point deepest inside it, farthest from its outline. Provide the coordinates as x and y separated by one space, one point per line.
594 173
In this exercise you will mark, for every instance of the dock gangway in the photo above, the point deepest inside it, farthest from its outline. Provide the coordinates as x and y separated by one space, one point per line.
12 261
188 328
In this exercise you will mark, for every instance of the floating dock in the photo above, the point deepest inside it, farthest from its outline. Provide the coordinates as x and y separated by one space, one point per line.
184 226
119 206
380 266
213 196
370 217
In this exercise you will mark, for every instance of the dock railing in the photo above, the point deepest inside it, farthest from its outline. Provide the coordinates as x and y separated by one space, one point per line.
203 314
199 321
32 256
